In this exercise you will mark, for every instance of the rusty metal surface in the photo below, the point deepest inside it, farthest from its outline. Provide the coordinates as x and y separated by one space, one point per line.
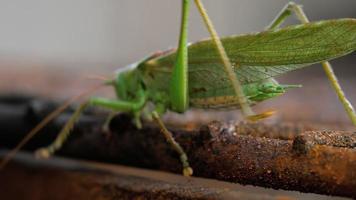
57 178
228 152
281 156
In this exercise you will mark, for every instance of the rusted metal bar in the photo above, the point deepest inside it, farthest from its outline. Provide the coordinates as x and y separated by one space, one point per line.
306 141
57 178
256 154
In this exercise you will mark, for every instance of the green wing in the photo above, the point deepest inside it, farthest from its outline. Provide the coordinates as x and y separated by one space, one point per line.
263 55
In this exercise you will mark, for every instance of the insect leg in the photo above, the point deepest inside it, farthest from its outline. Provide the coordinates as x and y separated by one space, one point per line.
282 16
297 9
63 135
106 124
116 105
228 67
136 107
179 80
187 170
133 107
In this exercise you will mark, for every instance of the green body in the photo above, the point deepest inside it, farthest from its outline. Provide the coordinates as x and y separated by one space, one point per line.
259 57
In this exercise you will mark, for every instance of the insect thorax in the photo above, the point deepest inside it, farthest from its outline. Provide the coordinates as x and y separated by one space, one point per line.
128 83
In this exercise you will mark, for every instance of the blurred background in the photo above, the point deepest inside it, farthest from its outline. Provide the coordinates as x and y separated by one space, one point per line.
108 34
48 46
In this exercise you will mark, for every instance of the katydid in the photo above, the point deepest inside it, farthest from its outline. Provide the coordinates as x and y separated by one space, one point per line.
233 72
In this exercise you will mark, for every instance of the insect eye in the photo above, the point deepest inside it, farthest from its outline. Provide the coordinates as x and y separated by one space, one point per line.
279 89
267 88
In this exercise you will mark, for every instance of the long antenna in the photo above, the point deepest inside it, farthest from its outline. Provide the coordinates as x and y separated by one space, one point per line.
44 122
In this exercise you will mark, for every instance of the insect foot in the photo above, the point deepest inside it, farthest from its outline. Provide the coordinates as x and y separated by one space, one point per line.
187 171
254 118
42 153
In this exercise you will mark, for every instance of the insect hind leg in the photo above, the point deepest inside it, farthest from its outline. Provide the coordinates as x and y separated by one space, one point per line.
228 67
292 7
286 12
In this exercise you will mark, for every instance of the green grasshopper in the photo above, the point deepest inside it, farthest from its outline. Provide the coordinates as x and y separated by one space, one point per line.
231 72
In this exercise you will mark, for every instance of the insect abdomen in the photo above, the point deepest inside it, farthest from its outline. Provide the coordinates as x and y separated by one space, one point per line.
219 102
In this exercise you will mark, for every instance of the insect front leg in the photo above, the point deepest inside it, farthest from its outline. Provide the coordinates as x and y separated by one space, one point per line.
297 9
63 134
106 125
116 105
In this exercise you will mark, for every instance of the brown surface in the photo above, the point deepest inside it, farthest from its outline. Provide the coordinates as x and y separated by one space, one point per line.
219 151
66 179
257 154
